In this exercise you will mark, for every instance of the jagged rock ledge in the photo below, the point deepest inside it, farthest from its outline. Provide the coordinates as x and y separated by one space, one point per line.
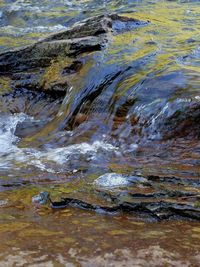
26 68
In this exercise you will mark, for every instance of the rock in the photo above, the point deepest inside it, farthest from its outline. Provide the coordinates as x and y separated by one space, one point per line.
3 203
61 52
183 121
28 128
113 180
41 54
154 210
41 199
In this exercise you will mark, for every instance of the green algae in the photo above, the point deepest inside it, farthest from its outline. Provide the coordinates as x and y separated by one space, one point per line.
5 85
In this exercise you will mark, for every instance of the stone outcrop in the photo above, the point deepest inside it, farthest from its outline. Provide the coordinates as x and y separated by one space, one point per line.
45 65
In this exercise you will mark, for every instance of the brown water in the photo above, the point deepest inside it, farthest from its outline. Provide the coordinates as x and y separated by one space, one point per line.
125 130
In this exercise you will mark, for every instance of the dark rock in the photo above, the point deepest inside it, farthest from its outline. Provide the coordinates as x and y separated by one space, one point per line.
157 210
27 67
28 128
184 120
41 54
73 68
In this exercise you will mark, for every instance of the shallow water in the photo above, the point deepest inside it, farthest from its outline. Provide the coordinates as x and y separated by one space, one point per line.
126 130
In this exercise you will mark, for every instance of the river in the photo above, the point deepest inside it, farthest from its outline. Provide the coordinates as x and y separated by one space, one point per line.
144 123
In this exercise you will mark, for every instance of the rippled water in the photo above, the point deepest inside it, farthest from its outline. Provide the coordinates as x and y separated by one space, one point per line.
88 147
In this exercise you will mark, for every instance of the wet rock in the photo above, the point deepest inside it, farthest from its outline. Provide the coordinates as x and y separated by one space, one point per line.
153 210
184 121
113 180
179 118
27 66
73 68
121 24
3 203
41 54
28 128
166 210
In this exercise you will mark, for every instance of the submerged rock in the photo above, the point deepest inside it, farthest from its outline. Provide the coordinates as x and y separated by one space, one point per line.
184 120
3 203
112 180
41 199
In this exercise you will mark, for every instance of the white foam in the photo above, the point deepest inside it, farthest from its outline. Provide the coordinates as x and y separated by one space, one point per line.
8 126
24 6
12 156
61 155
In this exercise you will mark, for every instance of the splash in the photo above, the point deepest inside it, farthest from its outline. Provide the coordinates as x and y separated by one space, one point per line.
8 124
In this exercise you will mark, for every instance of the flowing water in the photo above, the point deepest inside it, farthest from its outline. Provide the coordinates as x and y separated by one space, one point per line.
121 119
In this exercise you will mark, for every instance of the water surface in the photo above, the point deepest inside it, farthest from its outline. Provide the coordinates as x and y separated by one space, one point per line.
122 131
